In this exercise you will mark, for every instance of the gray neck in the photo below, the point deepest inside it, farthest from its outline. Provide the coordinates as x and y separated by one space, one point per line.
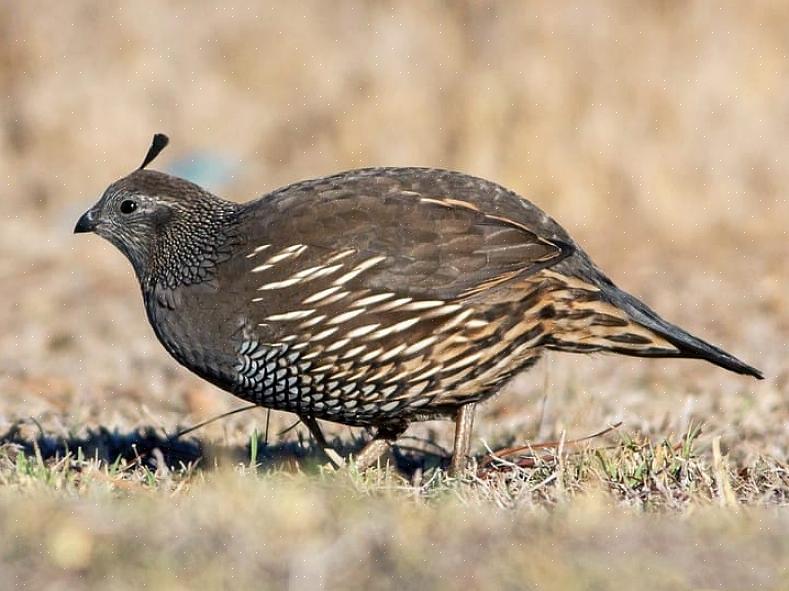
188 249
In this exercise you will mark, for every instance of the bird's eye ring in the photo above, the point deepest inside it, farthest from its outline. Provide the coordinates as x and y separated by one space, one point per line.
128 206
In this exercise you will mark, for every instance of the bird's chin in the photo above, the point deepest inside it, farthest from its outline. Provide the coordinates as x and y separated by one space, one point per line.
133 254
109 236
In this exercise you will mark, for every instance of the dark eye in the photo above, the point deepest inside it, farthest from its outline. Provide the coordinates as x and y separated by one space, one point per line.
128 206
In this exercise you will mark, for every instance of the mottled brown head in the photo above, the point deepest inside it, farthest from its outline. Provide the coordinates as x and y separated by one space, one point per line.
154 218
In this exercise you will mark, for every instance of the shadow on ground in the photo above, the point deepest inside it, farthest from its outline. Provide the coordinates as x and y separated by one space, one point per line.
151 447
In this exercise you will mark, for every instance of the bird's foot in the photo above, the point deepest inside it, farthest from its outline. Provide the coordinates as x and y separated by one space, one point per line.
378 445
464 425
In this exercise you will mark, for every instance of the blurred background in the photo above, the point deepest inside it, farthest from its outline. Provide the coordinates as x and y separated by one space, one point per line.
657 133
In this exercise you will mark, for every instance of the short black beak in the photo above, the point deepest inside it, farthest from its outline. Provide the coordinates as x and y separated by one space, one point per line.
87 223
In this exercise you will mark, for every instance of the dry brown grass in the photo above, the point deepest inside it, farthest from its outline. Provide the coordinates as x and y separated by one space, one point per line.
656 133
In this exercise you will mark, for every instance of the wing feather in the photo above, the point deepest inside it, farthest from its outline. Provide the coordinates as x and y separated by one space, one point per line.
430 236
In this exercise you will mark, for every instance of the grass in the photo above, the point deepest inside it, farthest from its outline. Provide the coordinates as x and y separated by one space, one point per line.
671 474
668 514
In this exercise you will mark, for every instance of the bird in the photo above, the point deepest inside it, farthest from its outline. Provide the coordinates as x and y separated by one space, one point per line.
374 297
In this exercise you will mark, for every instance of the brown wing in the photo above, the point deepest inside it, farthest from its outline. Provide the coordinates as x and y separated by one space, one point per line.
398 233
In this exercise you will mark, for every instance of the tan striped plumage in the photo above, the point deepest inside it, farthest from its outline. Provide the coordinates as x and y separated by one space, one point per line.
373 297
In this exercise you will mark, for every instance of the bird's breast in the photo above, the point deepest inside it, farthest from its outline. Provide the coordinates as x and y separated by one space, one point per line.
191 325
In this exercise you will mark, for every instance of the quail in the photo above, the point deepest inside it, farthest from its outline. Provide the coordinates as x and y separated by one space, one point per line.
373 297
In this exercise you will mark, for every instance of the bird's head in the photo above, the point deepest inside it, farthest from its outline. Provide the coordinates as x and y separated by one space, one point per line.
154 218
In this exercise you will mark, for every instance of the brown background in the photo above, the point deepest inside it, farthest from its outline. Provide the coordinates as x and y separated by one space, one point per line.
656 133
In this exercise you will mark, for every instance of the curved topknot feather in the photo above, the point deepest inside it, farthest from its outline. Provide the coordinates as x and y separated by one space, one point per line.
158 144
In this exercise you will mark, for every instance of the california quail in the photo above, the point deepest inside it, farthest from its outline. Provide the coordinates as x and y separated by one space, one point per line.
373 297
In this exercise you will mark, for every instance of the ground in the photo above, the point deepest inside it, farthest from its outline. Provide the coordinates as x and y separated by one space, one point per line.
656 135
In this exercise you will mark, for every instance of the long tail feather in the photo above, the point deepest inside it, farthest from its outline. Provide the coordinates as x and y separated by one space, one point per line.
588 313
685 343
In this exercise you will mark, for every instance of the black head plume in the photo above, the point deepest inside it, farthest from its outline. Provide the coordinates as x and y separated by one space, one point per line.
158 144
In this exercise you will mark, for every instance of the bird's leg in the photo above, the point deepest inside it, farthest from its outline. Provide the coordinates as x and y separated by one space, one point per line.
464 425
315 430
379 445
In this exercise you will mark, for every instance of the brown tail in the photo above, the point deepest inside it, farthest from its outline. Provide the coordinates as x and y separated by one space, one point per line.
684 343
602 317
